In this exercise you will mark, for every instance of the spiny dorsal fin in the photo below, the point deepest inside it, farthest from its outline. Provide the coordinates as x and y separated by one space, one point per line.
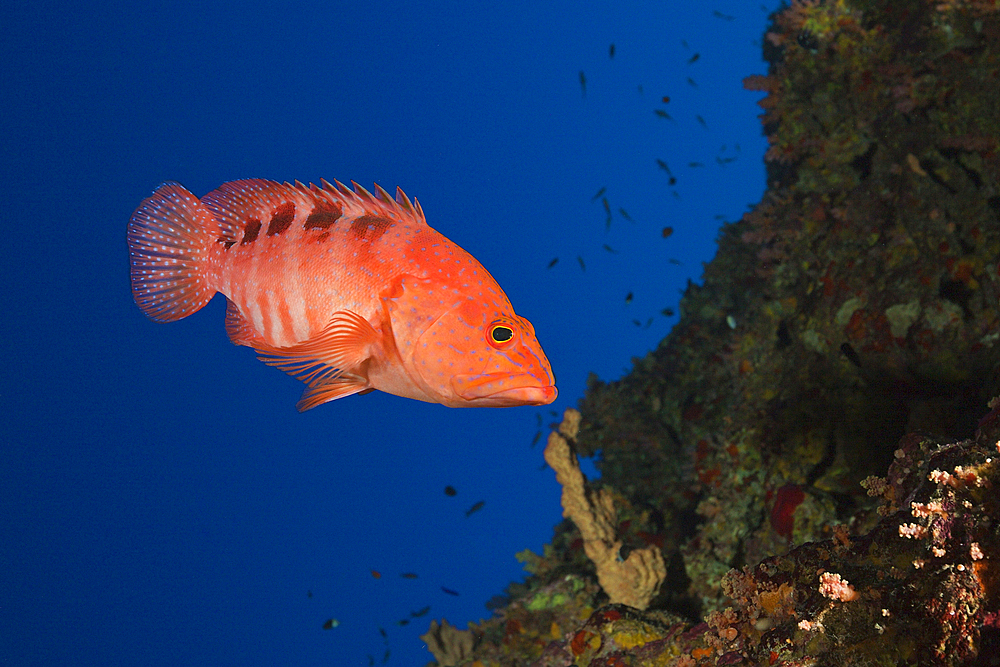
380 203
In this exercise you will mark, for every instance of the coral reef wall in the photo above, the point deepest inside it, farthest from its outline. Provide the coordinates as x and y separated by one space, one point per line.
802 450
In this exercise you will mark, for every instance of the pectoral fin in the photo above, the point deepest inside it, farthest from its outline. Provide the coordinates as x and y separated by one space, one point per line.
333 363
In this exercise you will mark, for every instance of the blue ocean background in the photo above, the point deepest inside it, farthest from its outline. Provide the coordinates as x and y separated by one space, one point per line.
161 500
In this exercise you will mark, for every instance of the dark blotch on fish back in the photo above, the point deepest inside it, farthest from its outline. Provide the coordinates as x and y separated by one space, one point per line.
250 231
370 227
281 219
323 215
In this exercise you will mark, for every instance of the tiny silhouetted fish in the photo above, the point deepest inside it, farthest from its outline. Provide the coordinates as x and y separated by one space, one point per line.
553 262
599 193
420 612
409 575
701 121
667 231
666 100
385 658
583 83
611 51
668 312
538 436
610 249
637 323
628 298
449 591
450 490
663 165
693 59
695 165
625 214
663 114
475 508
725 17
381 631
331 624
676 261
403 621
376 574
582 265
692 83
309 593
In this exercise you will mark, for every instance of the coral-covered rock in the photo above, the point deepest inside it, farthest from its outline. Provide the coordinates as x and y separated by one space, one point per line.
810 449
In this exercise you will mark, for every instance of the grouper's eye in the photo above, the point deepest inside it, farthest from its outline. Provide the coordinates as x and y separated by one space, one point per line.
500 333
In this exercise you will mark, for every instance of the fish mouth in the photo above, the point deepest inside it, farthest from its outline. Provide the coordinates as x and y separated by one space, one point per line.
503 390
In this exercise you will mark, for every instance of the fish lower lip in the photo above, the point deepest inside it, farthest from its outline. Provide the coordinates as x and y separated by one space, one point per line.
527 395
505 390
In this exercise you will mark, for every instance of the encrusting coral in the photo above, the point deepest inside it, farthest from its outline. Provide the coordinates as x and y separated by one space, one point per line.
634 580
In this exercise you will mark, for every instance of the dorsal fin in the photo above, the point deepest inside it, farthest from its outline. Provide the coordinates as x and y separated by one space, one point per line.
381 203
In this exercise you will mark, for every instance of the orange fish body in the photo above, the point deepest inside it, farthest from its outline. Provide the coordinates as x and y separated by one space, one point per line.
346 290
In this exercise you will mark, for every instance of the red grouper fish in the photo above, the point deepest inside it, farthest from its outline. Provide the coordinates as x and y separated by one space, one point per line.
345 290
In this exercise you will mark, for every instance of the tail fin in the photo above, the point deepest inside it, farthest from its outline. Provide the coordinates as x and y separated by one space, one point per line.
169 237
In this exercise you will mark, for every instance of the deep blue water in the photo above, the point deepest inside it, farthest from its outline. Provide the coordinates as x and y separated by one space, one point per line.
162 501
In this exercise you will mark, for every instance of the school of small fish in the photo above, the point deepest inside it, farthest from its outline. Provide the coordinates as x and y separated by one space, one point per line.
724 157
343 289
